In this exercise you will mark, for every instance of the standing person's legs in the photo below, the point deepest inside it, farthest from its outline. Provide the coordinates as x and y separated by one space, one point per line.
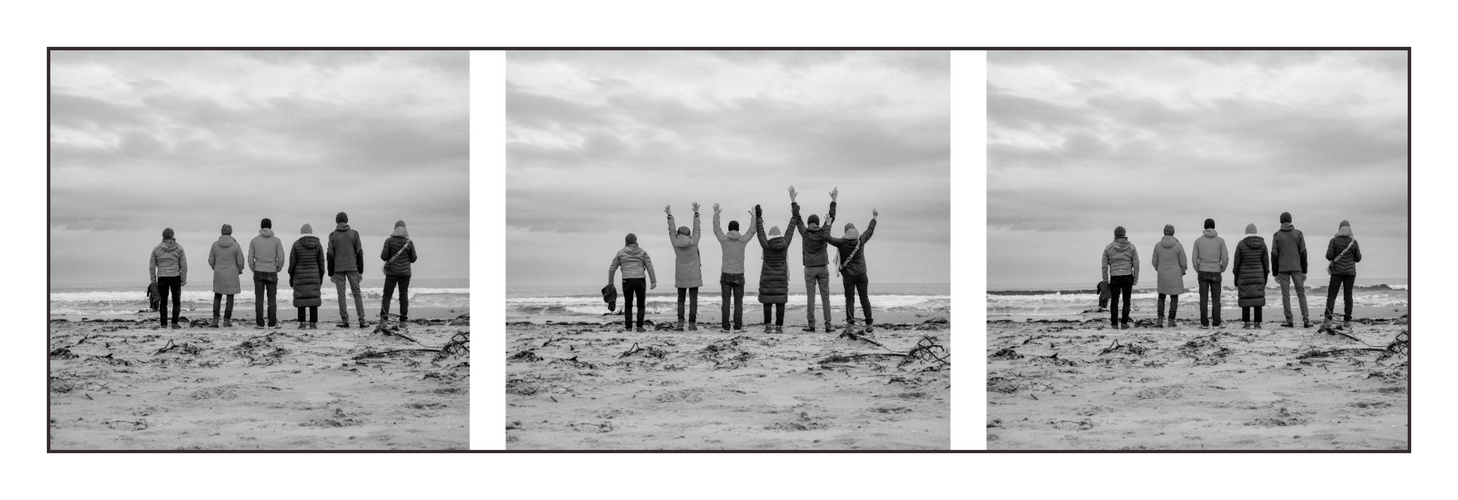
1245 314
1204 285
1284 279
863 284
1159 316
404 283
1215 295
810 296
273 299
339 282
162 289
218 305
389 293
1258 315
694 307
1299 279
258 290
642 290
724 294
627 304
313 315
302 319
1347 282
1127 293
780 314
1174 305
176 286
768 308
1331 295
739 302
848 282
354 278
228 311
681 293
823 280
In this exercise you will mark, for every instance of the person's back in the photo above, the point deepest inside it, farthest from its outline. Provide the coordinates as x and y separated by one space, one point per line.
345 258
1288 264
266 252
1120 259
1119 265
266 258
1343 253
635 264
851 264
1168 259
397 253
1251 266
306 276
814 240
167 267
731 275
226 259
1210 258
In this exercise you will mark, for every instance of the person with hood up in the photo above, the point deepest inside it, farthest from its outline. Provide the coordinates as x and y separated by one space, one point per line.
306 276
817 273
1121 271
1169 268
687 273
774 273
345 258
731 276
226 259
398 254
634 261
1251 267
266 258
1210 258
851 265
1288 257
168 269
1344 254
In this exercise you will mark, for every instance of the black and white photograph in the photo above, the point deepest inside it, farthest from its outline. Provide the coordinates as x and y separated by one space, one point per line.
259 250
1198 250
723 250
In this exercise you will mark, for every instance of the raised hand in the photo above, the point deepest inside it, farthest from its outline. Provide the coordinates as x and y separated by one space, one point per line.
874 213
792 193
696 207
716 209
833 193
757 212
668 210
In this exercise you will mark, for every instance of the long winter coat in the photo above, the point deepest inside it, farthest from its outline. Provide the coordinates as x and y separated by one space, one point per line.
1252 269
1288 250
687 270
1170 265
306 271
1120 259
774 274
814 241
398 266
167 260
226 259
853 251
1346 265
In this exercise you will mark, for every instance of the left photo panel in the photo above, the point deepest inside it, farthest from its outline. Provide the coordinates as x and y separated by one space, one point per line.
303 217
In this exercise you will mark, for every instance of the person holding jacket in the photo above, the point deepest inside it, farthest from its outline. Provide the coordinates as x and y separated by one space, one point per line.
345 257
167 267
398 254
1120 268
688 274
1252 268
1210 258
226 260
266 258
731 276
1288 257
774 273
1169 268
1344 254
634 261
306 276
817 275
851 265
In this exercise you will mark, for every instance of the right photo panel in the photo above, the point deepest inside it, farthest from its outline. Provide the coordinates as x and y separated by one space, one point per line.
1198 250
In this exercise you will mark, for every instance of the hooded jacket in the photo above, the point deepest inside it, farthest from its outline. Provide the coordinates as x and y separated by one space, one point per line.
852 252
1210 255
1252 268
167 260
398 266
345 252
1288 250
733 244
634 261
813 242
774 274
306 269
687 270
266 253
1169 265
226 259
1121 259
1343 264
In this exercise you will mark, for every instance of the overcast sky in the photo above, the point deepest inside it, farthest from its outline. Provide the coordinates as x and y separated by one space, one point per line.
141 141
1080 142
599 142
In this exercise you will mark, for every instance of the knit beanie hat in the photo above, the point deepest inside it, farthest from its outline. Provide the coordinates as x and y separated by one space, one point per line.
1344 224
399 223
1169 229
630 239
1119 232
265 224
684 230
1285 217
341 218
227 229
733 225
1250 228
774 232
307 229
167 234
813 219
1209 223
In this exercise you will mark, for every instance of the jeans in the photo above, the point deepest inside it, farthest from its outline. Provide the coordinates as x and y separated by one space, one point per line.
313 314
817 276
217 299
1174 303
856 285
779 313
352 277
1285 280
390 283
634 287
1245 313
1209 285
265 283
1120 287
693 295
169 285
732 285
1345 283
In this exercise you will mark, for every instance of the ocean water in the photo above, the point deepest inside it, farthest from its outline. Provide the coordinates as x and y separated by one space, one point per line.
586 300
1387 296
99 300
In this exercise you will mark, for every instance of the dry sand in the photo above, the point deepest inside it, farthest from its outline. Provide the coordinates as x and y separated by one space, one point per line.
120 385
1077 385
591 386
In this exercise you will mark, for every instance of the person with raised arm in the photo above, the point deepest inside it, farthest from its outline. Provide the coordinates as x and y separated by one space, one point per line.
851 250
687 273
774 274
814 237
731 275
635 262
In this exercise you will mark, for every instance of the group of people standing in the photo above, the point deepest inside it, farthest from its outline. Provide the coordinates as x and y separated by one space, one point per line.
1254 264
774 279
307 262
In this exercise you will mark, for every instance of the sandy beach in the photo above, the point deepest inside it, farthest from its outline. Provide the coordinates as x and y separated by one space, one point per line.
588 385
118 384
1075 384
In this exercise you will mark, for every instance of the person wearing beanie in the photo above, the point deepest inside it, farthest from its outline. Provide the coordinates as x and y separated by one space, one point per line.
1120 267
168 270
266 258
1252 268
306 276
1288 261
635 262
851 265
398 254
226 259
1344 253
774 272
731 275
814 237
1170 266
687 270
345 260
1211 258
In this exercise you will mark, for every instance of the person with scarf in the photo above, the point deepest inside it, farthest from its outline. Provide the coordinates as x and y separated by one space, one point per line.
635 262
1120 266
731 276
774 273
687 270
398 254
1344 254
168 269
226 260
851 265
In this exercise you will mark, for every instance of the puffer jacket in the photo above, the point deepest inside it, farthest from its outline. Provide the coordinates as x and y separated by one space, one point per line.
167 260
813 242
1120 259
1288 250
733 244
398 266
1210 255
774 273
634 261
687 270
226 259
1252 269
852 251
345 252
1346 265
306 271
1169 265
266 252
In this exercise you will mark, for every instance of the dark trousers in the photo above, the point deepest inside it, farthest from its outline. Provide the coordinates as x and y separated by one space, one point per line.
693 296
169 285
634 287
779 312
390 283
1245 313
1209 286
1345 283
856 285
1174 303
217 301
265 284
732 286
313 314
1120 287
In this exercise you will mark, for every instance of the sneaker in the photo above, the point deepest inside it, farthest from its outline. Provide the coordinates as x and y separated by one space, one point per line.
213 323
1288 324
1172 323
779 329
303 325
1305 323
769 328
363 324
693 327
258 326
809 328
640 330
830 329
313 325
1245 326
176 326
1258 325
227 322
343 323
680 326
